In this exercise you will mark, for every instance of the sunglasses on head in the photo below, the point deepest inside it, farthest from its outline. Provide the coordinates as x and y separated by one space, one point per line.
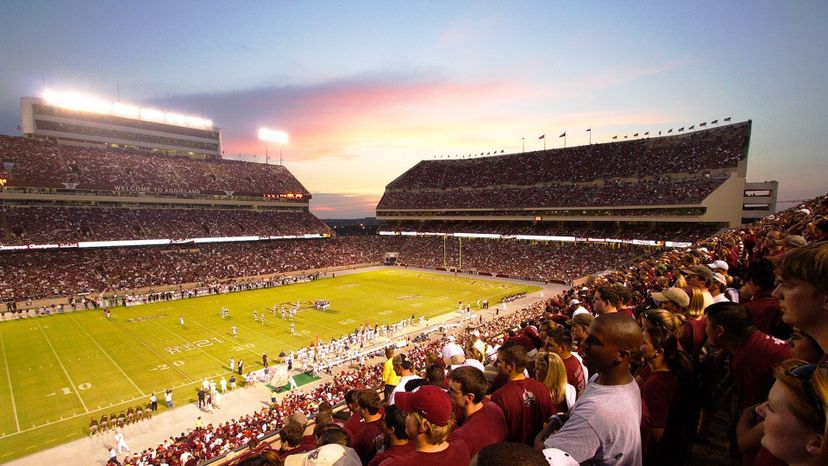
804 373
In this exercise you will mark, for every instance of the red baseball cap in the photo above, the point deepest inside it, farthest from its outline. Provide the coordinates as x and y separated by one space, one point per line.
430 401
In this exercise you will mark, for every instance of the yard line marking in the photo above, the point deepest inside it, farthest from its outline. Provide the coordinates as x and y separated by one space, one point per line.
226 341
253 329
156 352
74 387
8 377
182 338
107 355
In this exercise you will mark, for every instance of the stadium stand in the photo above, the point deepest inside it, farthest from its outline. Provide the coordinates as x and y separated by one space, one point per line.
695 152
33 163
628 230
48 225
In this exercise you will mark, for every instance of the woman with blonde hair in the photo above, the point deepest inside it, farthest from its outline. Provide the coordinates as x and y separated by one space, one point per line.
794 415
554 377
693 335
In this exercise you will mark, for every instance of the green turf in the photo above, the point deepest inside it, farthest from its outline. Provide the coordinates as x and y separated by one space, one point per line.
58 371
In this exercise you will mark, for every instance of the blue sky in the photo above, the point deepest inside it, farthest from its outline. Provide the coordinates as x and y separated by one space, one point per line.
367 89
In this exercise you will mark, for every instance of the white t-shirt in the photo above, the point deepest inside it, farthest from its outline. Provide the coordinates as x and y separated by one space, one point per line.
401 386
604 427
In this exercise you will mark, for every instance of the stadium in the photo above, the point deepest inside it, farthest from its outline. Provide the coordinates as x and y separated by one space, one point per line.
132 271
404 234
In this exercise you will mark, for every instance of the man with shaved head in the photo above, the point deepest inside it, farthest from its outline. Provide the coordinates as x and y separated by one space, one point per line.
603 427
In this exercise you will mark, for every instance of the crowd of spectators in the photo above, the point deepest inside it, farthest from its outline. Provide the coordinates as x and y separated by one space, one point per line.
49 225
666 231
642 192
695 152
36 163
35 274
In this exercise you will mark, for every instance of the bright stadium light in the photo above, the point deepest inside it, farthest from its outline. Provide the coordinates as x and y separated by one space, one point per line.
149 114
175 119
85 103
126 111
269 135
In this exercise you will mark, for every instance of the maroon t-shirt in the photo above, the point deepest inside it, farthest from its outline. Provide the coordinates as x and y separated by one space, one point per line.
574 373
694 336
393 452
353 425
457 454
753 365
627 312
659 391
483 428
526 404
767 315
370 440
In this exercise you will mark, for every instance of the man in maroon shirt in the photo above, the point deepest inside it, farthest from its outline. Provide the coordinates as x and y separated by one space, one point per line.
606 300
371 438
526 403
428 424
354 423
755 354
483 421
802 289
764 308
397 442
559 341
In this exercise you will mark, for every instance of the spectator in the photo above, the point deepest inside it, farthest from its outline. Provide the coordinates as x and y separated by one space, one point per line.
398 442
429 424
525 402
483 422
604 425
802 290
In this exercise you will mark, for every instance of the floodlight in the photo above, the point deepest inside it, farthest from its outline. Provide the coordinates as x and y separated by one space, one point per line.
150 114
126 111
175 119
270 135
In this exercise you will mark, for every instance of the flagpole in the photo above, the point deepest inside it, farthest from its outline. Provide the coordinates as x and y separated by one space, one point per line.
544 142
523 140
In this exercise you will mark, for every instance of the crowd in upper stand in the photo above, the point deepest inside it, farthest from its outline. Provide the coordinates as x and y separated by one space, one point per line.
643 192
44 164
695 152
631 368
45 225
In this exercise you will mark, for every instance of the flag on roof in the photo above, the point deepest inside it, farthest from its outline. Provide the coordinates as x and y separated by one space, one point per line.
681 129
635 135
542 136
726 119
615 137
647 133
714 122
690 127
563 135
704 123
589 129
670 130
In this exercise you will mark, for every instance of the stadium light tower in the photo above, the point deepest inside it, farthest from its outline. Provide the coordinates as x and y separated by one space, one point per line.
268 136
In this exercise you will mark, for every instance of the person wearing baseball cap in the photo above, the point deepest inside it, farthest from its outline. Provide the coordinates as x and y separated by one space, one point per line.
674 300
578 325
428 424
699 276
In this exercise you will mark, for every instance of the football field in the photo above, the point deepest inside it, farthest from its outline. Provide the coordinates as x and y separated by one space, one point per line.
58 371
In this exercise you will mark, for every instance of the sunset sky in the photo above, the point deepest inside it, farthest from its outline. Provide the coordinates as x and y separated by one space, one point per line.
368 89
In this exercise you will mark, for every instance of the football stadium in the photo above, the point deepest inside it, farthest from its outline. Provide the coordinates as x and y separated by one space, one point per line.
636 299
